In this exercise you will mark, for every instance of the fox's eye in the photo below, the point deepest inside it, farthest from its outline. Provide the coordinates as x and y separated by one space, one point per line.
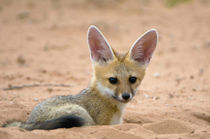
113 80
132 79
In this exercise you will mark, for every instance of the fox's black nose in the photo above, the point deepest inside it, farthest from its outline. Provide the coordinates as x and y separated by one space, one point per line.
125 96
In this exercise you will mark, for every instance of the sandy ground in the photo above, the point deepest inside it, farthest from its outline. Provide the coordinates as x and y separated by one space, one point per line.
44 42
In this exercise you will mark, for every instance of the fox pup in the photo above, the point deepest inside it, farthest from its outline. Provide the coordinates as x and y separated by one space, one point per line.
114 83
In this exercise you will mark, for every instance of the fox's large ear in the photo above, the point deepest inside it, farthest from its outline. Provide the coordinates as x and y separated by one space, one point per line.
100 50
143 48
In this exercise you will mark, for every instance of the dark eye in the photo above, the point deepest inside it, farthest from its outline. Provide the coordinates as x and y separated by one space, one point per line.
132 79
113 80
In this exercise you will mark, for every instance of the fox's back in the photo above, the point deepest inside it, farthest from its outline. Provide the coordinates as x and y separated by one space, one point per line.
52 108
88 104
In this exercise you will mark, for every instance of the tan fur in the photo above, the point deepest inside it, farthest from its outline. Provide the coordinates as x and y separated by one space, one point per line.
122 67
90 105
95 104
95 109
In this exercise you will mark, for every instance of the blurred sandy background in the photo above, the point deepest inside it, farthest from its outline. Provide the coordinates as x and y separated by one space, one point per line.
44 42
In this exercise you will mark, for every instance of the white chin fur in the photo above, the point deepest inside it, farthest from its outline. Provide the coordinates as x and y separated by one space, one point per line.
104 90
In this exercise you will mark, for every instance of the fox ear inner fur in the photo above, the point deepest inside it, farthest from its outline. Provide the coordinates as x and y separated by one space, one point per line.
143 48
99 48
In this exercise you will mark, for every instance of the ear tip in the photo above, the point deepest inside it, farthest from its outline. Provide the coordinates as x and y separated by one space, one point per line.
92 27
154 32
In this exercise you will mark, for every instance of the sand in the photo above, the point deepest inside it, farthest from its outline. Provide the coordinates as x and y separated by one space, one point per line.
44 43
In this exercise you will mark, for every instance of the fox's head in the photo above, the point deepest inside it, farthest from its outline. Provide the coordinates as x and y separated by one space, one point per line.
118 76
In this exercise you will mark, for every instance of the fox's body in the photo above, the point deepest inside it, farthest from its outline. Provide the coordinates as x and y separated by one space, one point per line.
88 104
114 83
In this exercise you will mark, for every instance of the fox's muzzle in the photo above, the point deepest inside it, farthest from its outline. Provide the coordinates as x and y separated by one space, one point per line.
126 96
